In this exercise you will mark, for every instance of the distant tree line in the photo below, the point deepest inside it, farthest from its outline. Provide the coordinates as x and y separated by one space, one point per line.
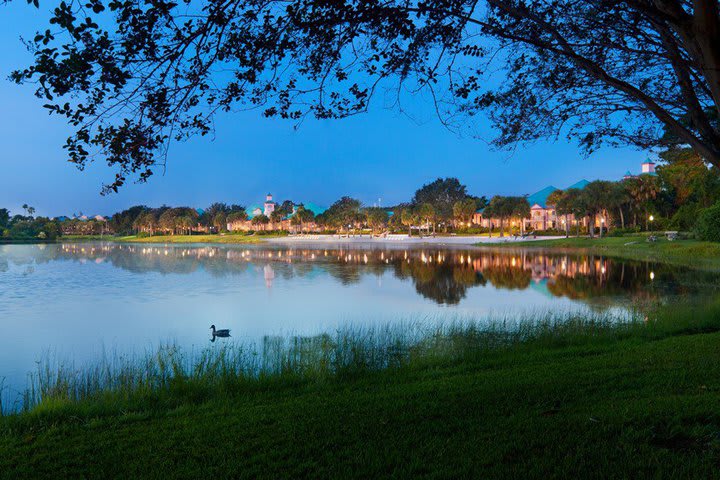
683 196
27 227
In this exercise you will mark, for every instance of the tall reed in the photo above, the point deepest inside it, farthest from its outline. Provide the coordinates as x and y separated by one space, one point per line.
349 351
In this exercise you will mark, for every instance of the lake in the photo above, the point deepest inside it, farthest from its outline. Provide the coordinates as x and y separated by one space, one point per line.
76 301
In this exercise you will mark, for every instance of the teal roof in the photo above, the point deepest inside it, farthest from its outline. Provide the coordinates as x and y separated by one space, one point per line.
579 185
539 198
542 288
250 209
315 209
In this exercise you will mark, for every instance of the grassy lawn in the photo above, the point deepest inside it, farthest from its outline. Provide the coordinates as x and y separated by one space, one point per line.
629 405
229 238
679 252
197 238
84 238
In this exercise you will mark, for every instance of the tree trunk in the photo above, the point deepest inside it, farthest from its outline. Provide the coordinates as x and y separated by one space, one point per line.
567 226
591 225
502 230
622 218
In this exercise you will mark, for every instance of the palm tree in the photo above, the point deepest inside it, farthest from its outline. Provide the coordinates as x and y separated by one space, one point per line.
302 216
596 195
557 200
520 208
642 190
463 210
408 218
427 212
260 220
618 199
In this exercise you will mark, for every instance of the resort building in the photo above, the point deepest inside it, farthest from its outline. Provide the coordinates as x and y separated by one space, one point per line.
544 216
267 209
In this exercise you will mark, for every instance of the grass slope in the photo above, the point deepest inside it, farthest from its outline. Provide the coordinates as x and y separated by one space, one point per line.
612 406
680 252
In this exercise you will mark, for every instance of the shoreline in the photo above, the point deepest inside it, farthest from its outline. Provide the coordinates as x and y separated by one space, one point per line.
470 240
686 253
317 239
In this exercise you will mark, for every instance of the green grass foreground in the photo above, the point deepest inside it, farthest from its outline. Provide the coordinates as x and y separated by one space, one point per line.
692 253
571 399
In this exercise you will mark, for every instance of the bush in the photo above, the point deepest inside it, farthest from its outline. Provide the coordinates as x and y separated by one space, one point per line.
620 232
707 226
685 217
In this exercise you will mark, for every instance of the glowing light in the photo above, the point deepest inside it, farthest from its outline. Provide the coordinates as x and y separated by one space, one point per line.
652 275
652 218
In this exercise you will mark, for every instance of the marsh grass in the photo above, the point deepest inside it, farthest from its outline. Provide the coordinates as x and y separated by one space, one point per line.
170 376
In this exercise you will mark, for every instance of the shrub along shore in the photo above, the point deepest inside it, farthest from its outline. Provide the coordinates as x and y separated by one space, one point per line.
551 397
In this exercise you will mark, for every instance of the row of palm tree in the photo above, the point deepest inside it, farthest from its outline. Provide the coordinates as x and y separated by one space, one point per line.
604 199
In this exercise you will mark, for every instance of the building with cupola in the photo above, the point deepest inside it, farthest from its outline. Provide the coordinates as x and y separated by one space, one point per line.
544 216
266 209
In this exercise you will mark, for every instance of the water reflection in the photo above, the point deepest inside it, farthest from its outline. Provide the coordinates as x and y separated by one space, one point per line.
442 275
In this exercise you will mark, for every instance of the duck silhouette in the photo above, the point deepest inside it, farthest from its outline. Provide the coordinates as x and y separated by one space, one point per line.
222 333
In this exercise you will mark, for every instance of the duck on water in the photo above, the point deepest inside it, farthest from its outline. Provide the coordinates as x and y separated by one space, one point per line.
222 333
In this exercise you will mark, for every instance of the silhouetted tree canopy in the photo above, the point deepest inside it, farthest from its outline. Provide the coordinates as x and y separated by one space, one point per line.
130 76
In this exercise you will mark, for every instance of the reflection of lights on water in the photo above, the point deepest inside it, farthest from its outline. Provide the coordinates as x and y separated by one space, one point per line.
652 275
602 270
512 261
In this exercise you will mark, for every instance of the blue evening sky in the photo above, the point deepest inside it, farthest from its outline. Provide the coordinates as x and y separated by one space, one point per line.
383 154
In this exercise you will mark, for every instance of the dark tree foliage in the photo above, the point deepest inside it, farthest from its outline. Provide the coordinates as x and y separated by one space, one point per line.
342 214
4 217
442 195
130 77
123 223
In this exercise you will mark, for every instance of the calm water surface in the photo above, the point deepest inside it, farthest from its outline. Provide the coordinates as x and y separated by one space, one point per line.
77 301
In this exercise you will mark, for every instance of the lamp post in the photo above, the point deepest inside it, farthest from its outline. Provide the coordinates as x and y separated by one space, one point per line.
651 218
